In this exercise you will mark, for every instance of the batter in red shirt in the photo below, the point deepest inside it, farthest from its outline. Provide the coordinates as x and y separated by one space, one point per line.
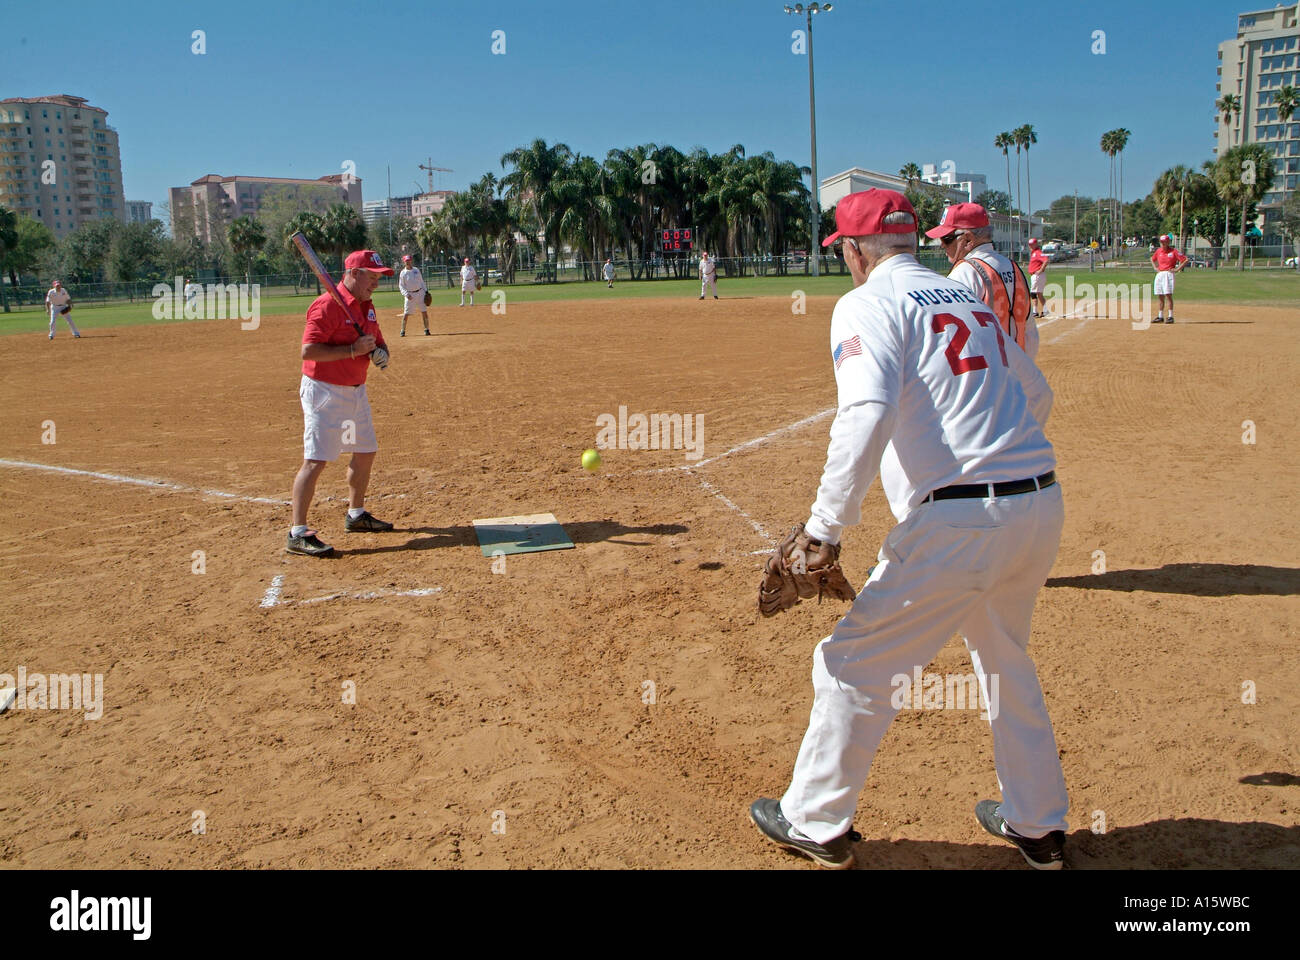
1167 262
337 348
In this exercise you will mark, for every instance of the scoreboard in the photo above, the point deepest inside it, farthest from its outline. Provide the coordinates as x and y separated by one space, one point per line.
676 241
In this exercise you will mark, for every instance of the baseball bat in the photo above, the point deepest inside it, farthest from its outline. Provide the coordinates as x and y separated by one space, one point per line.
304 247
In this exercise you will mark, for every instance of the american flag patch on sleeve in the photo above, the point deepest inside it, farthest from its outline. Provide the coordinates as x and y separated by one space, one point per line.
852 347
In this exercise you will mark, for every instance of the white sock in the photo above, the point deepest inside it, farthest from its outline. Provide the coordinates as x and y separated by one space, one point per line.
355 512
298 531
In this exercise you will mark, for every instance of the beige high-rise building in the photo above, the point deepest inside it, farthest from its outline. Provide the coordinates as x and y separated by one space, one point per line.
59 162
210 203
1264 57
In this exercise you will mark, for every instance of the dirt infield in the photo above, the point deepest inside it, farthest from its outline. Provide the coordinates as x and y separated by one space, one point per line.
500 717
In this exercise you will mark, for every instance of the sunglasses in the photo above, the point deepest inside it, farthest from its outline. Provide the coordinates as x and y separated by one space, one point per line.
951 238
838 247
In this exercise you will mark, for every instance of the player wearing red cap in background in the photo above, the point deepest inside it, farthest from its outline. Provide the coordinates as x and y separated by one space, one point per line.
335 409
1167 261
1037 276
468 282
967 241
411 283
932 396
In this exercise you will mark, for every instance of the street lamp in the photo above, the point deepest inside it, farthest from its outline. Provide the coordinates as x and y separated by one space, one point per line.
815 223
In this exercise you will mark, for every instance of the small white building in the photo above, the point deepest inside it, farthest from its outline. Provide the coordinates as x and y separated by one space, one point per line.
855 180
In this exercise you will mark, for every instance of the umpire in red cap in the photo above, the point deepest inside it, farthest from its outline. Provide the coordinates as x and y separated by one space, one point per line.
338 346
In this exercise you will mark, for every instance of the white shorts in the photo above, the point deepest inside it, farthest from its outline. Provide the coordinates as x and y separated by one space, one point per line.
1165 283
414 305
467 286
336 419
1038 281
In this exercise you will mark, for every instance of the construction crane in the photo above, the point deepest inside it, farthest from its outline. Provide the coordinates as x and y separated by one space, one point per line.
430 167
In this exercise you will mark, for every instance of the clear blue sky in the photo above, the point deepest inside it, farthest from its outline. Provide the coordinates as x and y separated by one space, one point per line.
296 90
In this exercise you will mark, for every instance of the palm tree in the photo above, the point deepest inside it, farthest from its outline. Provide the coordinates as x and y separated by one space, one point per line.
1229 178
310 226
1171 189
1121 141
1286 99
246 235
8 241
1229 104
911 173
1109 146
343 229
1016 141
1003 142
1026 137
536 167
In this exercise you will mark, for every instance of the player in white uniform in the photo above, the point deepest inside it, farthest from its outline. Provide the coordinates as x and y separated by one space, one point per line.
468 282
923 369
193 299
966 235
708 275
411 283
608 272
56 298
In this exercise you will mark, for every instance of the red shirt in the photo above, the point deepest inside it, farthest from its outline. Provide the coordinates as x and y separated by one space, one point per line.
328 323
1037 261
1167 259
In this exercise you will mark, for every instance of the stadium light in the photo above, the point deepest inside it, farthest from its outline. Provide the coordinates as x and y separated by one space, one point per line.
815 203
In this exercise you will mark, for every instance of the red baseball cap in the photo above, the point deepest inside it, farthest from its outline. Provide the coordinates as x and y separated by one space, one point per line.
1164 237
366 260
1033 241
960 216
466 260
406 257
863 215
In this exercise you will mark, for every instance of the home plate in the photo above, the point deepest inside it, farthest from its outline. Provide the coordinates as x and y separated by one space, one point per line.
529 534
7 695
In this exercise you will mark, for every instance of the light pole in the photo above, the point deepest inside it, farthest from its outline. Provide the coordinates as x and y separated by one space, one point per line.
815 224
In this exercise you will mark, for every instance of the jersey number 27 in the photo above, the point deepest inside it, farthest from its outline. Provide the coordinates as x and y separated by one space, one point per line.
959 363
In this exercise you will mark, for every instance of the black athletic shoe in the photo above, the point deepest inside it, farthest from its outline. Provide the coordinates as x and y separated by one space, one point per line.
836 854
1041 853
308 544
1158 320
365 524
402 334
427 333
1170 320
715 296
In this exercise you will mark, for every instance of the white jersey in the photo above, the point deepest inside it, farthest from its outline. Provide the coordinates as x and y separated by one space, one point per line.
411 283
468 274
930 393
609 271
708 269
192 291
974 278
57 298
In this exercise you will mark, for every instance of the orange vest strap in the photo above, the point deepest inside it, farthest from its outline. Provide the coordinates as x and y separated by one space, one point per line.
1007 309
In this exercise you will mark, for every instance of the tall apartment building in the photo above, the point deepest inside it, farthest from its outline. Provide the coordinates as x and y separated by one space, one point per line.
1264 56
139 211
59 161
210 203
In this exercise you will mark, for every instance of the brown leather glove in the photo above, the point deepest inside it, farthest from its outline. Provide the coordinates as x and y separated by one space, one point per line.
428 298
799 568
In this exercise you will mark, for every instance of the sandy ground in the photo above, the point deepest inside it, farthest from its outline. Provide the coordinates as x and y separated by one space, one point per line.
501 720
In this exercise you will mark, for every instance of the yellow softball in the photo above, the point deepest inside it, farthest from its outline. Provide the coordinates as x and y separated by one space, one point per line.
591 460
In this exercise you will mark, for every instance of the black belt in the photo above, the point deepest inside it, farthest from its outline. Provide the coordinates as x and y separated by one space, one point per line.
973 491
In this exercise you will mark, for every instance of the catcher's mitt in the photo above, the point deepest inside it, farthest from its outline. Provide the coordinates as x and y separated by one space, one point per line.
799 568
478 284
428 298
66 310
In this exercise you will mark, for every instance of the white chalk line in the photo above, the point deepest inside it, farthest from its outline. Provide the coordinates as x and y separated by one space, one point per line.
758 527
748 444
274 597
141 482
273 592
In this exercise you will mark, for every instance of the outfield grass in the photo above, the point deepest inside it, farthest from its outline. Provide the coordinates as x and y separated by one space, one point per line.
1276 287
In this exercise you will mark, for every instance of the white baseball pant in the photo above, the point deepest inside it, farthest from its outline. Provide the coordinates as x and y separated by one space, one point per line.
54 315
709 283
973 566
